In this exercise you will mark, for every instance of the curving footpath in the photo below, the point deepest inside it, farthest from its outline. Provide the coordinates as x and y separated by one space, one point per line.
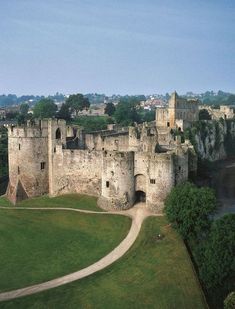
138 214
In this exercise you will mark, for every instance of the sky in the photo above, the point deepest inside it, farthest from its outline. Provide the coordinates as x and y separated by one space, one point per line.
116 46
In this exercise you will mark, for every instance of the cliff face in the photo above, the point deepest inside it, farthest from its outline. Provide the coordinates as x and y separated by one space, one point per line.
213 140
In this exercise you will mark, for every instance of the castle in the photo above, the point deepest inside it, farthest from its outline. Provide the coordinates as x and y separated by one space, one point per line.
180 113
120 166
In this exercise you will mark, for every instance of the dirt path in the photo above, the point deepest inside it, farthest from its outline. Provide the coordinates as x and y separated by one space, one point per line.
138 214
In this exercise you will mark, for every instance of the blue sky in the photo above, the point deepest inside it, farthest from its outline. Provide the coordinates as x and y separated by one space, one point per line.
116 46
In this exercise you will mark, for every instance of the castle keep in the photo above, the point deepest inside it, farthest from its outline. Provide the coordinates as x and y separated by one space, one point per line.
180 113
120 166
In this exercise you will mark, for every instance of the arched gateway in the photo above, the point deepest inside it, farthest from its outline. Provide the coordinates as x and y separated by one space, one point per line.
140 188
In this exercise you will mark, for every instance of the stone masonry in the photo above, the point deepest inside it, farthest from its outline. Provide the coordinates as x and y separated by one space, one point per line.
120 166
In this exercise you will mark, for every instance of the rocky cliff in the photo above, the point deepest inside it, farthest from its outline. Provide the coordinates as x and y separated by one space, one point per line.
213 139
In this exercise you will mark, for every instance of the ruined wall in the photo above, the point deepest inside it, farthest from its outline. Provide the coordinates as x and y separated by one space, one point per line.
118 142
93 141
181 164
77 171
113 141
143 138
162 117
158 170
179 109
225 111
117 180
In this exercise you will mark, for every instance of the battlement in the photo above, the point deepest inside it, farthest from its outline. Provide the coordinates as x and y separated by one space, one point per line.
34 129
27 132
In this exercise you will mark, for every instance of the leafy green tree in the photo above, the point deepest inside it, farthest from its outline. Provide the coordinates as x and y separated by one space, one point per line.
146 115
229 302
189 209
64 112
45 108
109 109
93 123
24 108
230 100
127 111
204 114
217 262
23 115
77 102
12 115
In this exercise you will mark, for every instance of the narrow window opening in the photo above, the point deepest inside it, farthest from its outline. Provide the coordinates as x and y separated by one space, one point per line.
152 181
18 170
19 146
107 184
58 134
43 165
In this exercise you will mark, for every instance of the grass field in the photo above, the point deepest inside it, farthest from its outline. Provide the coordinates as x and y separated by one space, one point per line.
69 200
37 246
153 274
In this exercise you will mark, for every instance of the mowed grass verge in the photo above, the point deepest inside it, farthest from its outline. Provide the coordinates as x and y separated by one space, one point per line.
37 246
153 274
78 201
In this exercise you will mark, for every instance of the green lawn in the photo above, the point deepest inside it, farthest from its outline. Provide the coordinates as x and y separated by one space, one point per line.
37 246
153 274
4 202
69 200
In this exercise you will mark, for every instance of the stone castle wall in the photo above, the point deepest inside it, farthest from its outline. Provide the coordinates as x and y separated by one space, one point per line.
118 191
179 114
76 171
28 164
157 173
118 167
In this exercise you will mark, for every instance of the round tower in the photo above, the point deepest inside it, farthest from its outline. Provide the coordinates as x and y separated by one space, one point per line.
118 191
28 161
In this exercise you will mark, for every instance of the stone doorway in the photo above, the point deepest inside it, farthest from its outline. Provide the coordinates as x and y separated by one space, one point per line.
140 197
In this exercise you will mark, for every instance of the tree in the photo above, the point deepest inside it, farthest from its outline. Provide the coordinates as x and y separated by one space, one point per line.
146 115
229 302
77 102
204 114
64 112
230 100
11 115
24 108
93 123
45 108
109 109
126 111
189 209
23 115
216 263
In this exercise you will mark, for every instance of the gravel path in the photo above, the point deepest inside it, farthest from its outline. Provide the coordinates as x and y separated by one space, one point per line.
137 213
